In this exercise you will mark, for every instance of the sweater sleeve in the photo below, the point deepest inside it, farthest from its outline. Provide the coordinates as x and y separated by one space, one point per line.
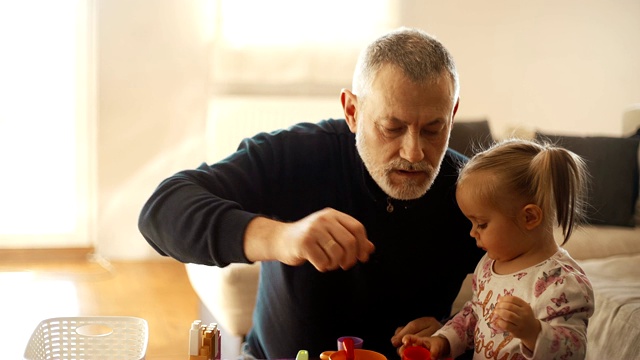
186 220
200 215
565 307
459 330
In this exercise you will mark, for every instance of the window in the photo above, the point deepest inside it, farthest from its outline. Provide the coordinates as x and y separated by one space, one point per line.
45 123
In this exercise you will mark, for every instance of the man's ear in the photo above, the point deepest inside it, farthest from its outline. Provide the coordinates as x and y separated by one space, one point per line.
349 105
455 110
532 215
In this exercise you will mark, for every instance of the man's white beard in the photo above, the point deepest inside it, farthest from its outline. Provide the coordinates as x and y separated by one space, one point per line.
409 190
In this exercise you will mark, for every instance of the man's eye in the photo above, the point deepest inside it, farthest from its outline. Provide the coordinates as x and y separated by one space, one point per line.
391 131
433 130
430 132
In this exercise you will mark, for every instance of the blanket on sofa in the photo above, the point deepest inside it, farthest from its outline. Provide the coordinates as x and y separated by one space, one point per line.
614 328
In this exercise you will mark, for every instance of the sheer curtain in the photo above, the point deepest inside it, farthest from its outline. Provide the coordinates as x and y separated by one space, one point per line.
45 123
292 47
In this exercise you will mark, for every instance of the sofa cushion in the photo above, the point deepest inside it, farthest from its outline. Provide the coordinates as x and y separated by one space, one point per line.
613 165
636 136
469 137
228 293
600 241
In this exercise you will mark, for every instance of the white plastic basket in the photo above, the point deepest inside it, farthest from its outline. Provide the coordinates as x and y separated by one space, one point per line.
89 337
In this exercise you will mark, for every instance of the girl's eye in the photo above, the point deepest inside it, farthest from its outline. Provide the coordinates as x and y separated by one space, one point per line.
482 226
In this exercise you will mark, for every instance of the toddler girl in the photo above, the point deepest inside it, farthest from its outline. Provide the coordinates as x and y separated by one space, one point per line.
531 300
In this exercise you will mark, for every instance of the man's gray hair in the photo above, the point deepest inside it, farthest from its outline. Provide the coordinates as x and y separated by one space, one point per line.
420 56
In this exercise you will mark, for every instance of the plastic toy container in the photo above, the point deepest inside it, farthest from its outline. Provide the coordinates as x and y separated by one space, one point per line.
89 337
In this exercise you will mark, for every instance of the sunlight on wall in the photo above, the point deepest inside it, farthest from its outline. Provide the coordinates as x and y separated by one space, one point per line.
38 146
291 22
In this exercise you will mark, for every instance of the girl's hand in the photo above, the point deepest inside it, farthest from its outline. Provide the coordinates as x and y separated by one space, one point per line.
515 315
421 327
437 345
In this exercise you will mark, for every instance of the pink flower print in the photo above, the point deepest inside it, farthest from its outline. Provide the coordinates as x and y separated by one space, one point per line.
555 343
562 299
547 279
459 326
561 337
569 337
540 287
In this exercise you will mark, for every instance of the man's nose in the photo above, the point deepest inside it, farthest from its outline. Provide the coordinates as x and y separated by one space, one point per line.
411 149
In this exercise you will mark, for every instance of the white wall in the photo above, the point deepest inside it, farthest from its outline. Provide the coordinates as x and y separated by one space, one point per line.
152 97
560 66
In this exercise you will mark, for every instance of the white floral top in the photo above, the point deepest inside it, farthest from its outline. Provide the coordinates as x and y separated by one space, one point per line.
559 293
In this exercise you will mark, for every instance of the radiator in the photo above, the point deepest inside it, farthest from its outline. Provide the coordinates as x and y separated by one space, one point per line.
233 118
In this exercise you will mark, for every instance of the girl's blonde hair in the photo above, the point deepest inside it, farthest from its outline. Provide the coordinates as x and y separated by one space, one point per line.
549 176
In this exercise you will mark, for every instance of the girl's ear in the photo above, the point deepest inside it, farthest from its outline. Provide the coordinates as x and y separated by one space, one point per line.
532 216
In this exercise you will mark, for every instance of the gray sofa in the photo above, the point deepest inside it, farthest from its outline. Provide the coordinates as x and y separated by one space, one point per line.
608 250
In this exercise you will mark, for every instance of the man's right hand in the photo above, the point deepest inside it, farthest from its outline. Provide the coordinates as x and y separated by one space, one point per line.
328 239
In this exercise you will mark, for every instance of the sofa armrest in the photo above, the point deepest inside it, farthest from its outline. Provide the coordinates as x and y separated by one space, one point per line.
229 293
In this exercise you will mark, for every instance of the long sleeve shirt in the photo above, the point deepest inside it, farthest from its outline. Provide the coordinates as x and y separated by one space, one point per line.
560 295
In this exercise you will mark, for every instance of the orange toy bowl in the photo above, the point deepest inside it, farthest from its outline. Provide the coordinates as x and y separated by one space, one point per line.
360 354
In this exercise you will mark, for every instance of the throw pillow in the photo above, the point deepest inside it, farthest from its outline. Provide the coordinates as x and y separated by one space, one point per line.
637 137
613 167
470 137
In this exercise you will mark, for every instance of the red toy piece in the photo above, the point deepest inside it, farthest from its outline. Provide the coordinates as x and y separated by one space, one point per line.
416 353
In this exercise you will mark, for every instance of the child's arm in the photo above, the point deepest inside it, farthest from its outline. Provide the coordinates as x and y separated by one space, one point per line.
557 327
565 317
459 331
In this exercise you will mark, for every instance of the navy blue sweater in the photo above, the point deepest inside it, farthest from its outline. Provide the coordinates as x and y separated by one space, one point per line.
423 248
